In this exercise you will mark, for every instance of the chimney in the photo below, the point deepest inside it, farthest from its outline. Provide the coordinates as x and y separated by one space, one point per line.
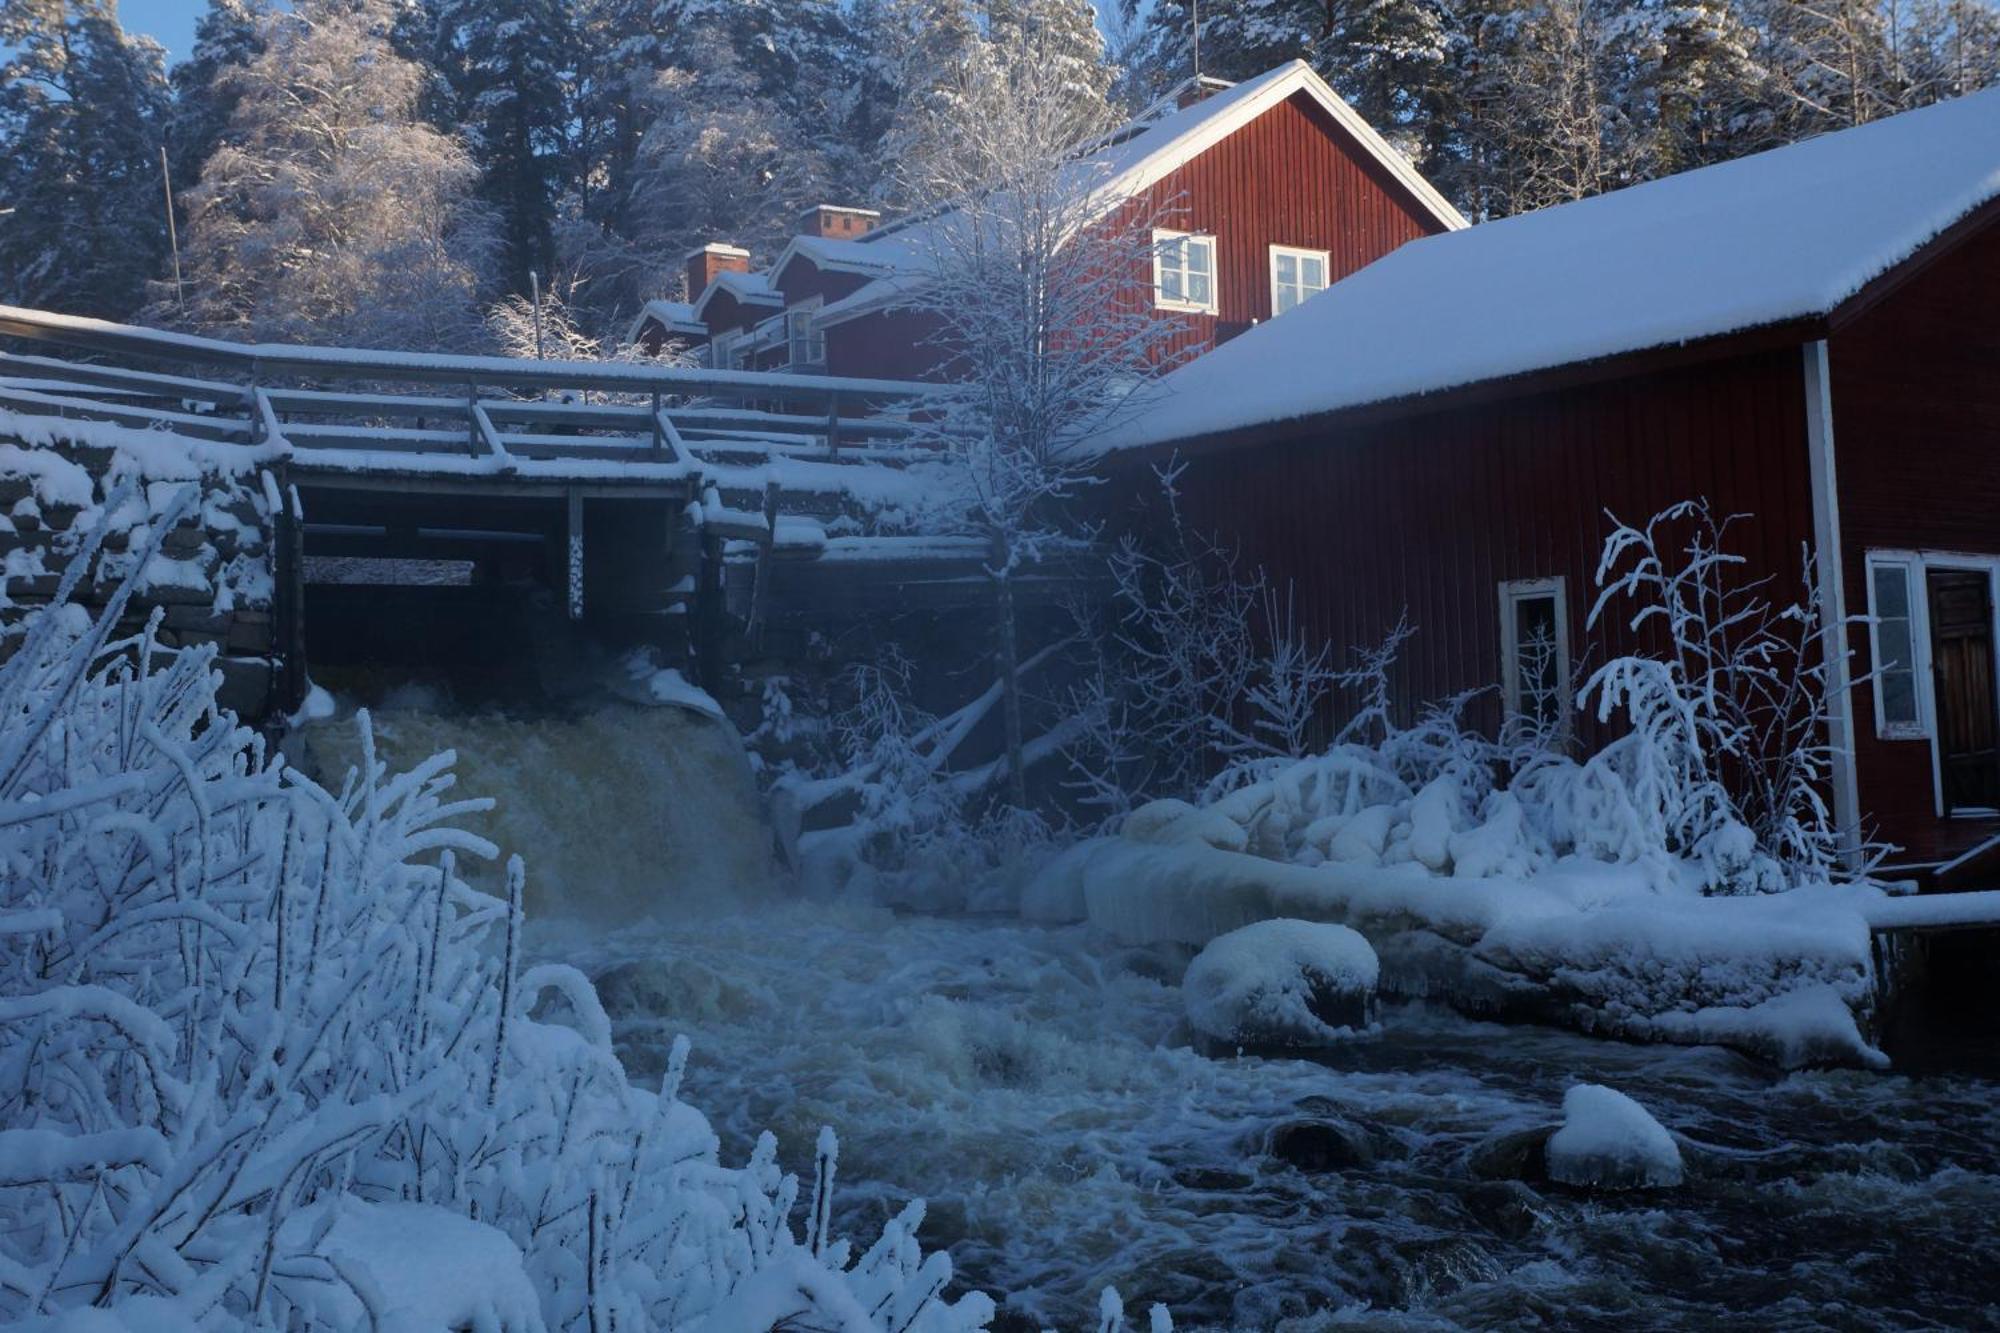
1199 89
837 223
709 260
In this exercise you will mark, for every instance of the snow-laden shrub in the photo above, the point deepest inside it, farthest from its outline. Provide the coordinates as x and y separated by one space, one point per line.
251 1028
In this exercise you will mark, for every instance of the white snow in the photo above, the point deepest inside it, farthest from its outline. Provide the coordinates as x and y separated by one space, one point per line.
1777 236
1269 982
1606 1139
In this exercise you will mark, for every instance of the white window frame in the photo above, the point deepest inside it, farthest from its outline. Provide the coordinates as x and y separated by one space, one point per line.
1162 238
1916 587
1513 591
814 336
1325 259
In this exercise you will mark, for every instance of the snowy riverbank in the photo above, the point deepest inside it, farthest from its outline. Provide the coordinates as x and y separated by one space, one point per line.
1602 947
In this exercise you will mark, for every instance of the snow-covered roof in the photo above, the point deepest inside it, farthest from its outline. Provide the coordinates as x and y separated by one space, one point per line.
748 288
838 255
673 316
1140 155
1782 235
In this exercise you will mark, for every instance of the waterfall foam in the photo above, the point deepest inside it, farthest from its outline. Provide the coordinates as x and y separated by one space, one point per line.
622 811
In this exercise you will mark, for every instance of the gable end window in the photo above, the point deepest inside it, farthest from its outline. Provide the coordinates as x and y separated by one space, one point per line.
805 341
1184 271
1892 643
1295 275
1534 653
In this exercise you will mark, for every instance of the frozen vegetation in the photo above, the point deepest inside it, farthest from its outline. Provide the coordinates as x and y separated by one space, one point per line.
270 1060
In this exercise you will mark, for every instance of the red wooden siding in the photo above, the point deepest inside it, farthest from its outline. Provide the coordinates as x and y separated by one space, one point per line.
1916 409
802 280
1290 177
1432 512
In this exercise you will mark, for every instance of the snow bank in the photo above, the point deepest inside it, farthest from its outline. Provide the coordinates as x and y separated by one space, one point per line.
1282 983
1582 942
1609 1141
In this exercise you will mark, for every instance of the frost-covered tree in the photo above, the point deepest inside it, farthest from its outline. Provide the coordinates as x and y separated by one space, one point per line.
746 126
1037 286
227 37
330 212
83 115
508 65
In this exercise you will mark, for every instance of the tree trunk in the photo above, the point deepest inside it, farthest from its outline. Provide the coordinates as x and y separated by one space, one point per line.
1008 657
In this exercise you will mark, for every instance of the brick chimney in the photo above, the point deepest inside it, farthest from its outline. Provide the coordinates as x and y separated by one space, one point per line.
836 223
709 260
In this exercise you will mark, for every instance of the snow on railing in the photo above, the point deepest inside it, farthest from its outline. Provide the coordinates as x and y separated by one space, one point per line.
654 421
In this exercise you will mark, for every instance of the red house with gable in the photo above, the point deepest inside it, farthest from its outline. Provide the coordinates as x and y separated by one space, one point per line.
1809 336
1275 186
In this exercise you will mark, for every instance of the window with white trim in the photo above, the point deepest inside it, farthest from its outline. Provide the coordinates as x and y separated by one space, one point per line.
1295 275
1184 271
805 341
1893 586
1534 652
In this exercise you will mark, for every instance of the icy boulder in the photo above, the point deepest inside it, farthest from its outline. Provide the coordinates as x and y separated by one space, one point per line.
1283 983
1609 1141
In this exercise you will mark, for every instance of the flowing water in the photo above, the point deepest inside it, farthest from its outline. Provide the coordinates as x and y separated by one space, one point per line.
1040 1089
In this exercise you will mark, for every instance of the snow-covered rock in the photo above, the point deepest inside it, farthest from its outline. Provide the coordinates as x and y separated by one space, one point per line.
1283 983
1168 822
1609 1141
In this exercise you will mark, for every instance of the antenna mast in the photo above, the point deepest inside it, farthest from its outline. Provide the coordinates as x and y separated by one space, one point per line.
173 240
1194 8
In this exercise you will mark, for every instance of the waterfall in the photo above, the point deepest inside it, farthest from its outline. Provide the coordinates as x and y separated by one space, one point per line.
623 811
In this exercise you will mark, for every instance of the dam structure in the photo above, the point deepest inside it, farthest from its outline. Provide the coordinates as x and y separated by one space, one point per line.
410 508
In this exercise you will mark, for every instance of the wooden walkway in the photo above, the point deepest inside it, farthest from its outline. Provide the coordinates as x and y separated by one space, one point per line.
635 481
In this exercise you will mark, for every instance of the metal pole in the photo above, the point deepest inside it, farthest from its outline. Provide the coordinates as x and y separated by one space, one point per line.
1194 8
173 237
535 285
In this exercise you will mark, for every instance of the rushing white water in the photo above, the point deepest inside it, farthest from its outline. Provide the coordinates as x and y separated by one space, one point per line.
1040 1088
622 811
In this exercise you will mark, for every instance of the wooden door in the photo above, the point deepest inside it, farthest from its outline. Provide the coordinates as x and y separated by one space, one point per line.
1968 724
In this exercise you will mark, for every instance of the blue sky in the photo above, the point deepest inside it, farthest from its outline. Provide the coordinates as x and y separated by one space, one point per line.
168 22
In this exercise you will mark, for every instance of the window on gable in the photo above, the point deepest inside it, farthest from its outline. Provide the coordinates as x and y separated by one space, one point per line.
1893 644
805 342
1534 648
1184 271
1295 275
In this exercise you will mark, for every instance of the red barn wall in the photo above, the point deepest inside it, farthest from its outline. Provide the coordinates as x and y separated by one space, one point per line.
1431 512
1916 411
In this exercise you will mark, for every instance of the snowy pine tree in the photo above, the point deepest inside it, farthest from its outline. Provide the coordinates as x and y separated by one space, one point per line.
83 115
507 64
226 39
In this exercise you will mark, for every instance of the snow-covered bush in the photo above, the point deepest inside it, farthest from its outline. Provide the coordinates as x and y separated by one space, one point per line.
265 1059
1715 775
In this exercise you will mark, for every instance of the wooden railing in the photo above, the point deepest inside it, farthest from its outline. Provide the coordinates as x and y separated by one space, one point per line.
347 399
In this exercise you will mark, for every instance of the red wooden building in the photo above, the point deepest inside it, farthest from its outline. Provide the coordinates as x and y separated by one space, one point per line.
1810 336
1275 189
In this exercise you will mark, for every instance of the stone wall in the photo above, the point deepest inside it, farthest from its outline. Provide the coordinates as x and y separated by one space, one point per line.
65 484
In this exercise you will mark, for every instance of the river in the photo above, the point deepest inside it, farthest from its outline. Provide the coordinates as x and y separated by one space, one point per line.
1040 1089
